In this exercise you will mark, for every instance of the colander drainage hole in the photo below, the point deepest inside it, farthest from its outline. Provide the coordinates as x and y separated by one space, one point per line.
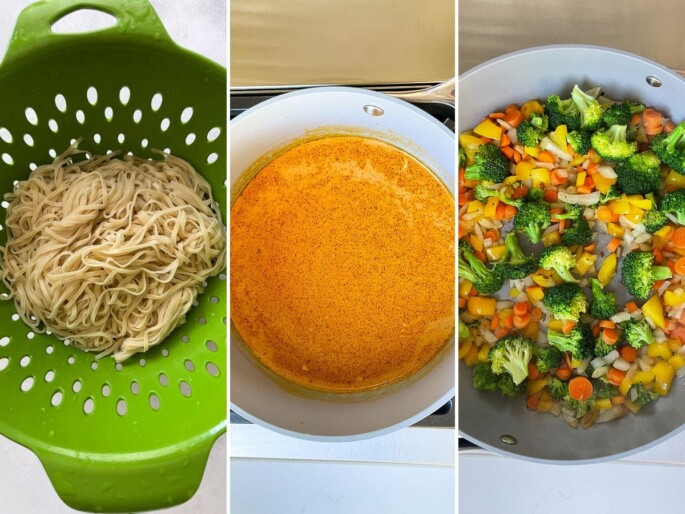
56 399
61 102
142 362
190 139
135 387
163 380
212 158
122 408
52 153
164 126
211 346
4 341
80 116
25 361
5 135
97 138
118 366
185 388
154 401
88 406
214 299
71 359
94 366
7 159
106 390
121 138
137 116
156 101
28 139
76 386
165 352
30 335
49 349
186 114
31 116
189 365
213 134
4 362
124 95
27 384
92 95
212 369
52 125
50 376
109 113
15 317
185 339
202 321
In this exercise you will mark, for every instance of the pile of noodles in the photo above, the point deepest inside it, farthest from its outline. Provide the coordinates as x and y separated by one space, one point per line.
109 253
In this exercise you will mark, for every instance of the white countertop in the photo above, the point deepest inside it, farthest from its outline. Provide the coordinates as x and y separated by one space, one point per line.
24 486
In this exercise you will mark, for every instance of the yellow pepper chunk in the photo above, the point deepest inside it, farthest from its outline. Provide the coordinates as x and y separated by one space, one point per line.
602 184
472 357
677 361
674 345
544 281
653 310
513 292
640 202
675 180
476 243
659 350
464 348
488 128
551 239
620 206
615 230
577 160
479 306
663 377
535 294
535 386
673 298
474 206
465 288
635 215
532 151
624 387
558 137
530 107
607 270
490 210
483 353
495 253
511 179
584 262
632 407
643 377
665 232
603 404
524 169
540 176
556 325
470 144
531 331
580 179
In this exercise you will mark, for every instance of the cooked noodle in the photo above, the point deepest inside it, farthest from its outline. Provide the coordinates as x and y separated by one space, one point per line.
108 253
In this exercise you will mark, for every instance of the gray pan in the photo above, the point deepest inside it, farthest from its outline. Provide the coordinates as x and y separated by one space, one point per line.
506 426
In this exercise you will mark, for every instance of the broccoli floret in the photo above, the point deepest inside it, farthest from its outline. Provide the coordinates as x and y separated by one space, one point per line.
573 212
639 174
580 233
613 193
512 354
531 131
578 341
547 358
601 348
565 301
562 112
639 395
516 265
634 106
580 141
654 221
639 273
560 259
532 218
483 192
589 108
579 406
464 332
617 114
671 148
557 389
483 377
637 333
603 304
612 145
489 165
536 194
605 390
462 157
485 280
674 203
508 387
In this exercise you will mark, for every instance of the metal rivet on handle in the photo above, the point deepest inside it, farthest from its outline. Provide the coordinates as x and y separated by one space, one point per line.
508 439
653 81
373 110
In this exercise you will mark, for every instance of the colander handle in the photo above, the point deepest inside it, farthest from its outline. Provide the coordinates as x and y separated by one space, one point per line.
138 483
33 30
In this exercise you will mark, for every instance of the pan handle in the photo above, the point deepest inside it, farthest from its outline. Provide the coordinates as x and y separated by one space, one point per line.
443 93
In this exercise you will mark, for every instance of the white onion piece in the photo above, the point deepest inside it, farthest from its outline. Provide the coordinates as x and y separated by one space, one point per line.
620 317
583 365
611 356
489 336
505 124
600 372
587 199
504 304
512 136
680 372
607 172
598 362
546 165
622 364
617 411
558 152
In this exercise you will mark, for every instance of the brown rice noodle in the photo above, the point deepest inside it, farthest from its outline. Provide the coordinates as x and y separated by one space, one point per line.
109 253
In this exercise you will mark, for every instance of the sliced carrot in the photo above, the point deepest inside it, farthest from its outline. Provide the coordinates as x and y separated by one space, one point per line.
651 117
607 323
501 332
509 211
580 388
609 336
679 333
567 326
551 196
519 192
590 248
631 307
504 140
517 157
654 130
635 120
603 213
546 156
511 107
682 318
615 376
556 179
618 400
514 117
659 283
533 371
589 182
595 331
615 217
613 244
491 234
533 402
508 152
509 321
628 353
496 115
563 373
521 322
462 302
584 190
494 323
668 128
499 211
658 256
680 266
485 139
480 255
536 314
678 237
592 169
562 225
521 308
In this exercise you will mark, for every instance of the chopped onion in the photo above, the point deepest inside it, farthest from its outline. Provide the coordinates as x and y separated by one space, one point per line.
620 317
547 144
617 411
512 136
680 372
600 372
663 287
622 364
546 165
607 172
505 124
489 336
504 304
587 199
583 365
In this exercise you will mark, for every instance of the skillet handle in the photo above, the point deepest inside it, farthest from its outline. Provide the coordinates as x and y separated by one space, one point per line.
135 19
442 93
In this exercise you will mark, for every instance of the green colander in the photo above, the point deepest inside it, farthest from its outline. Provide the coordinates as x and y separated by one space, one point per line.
131 437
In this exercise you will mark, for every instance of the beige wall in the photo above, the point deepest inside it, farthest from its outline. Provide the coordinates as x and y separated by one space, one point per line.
488 28
341 41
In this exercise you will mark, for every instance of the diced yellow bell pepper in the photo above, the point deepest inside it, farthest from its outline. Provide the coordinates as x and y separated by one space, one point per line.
535 386
607 270
490 210
652 309
513 292
474 206
476 243
615 230
472 357
677 361
556 325
558 137
665 232
620 206
546 403
624 387
544 281
470 144
584 262
464 348
580 179
632 407
551 239
663 377
673 298
674 344
640 202
524 169
483 353
602 184
635 215
488 128
540 176
575 363
465 288
535 294
659 350
531 330
595 158
480 306
603 404
532 151
675 180
643 377
577 160
530 107
495 253
510 180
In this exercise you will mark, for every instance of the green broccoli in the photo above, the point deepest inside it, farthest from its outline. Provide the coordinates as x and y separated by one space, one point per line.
573 211
547 358
536 194
589 108
532 218
613 193
639 395
578 341
483 377
580 233
462 157
464 331
605 390
639 273
671 148
654 220
557 389
603 304
601 348
560 259
674 203
565 301
637 333
489 165
512 354
531 131
612 145
639 174
635 107
483 192
485 280
581 407
580 141
617 114
562 112
516 265
508 387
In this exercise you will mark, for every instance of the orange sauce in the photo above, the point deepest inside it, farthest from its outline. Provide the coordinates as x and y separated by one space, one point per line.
342 265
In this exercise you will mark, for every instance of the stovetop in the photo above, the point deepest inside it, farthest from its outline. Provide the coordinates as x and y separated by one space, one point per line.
244 98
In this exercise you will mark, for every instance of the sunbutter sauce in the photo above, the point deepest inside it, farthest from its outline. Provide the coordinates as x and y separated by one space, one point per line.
342 265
